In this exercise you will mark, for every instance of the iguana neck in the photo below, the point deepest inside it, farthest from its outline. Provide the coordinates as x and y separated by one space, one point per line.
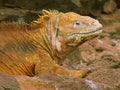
43 41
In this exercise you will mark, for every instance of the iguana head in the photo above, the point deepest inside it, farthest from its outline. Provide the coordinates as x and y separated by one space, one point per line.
75 29
67 30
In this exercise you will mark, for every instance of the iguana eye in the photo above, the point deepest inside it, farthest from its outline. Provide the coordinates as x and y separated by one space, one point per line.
77 24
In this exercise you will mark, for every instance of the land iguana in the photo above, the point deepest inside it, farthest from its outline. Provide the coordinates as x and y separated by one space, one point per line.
35 48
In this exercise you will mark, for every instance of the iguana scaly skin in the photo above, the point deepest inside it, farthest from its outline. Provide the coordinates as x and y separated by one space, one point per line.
37 47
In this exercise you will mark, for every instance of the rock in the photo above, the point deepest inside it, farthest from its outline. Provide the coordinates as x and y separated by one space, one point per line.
27 4
33 83
8 82
110 6
92 8
65 82
53 82
118 3
18 15
44 82
109 78
76 2
85 7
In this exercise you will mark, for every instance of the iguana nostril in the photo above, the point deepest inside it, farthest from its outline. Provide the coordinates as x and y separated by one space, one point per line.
95 23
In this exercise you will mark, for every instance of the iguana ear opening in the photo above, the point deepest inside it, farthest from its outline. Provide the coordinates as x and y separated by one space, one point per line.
58 33
46 18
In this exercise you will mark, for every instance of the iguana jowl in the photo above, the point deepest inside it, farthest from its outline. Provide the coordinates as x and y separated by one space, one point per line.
35 48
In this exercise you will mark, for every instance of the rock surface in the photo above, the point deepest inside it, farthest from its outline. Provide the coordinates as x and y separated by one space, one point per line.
110 6
8 82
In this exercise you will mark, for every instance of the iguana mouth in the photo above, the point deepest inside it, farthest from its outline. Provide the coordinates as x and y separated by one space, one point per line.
96 32
77 38
92 32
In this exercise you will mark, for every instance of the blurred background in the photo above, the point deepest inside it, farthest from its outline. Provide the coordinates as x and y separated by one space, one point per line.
24 9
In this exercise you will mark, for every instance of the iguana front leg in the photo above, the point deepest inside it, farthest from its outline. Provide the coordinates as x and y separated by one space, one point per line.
50 66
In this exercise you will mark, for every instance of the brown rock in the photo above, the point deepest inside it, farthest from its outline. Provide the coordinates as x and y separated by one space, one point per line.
91 7
110 6
52 82
8 82
110 78
43 82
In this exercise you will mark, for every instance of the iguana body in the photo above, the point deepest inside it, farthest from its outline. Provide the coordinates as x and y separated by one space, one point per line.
35 48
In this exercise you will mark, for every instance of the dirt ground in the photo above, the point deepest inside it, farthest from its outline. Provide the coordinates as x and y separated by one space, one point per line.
101 55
